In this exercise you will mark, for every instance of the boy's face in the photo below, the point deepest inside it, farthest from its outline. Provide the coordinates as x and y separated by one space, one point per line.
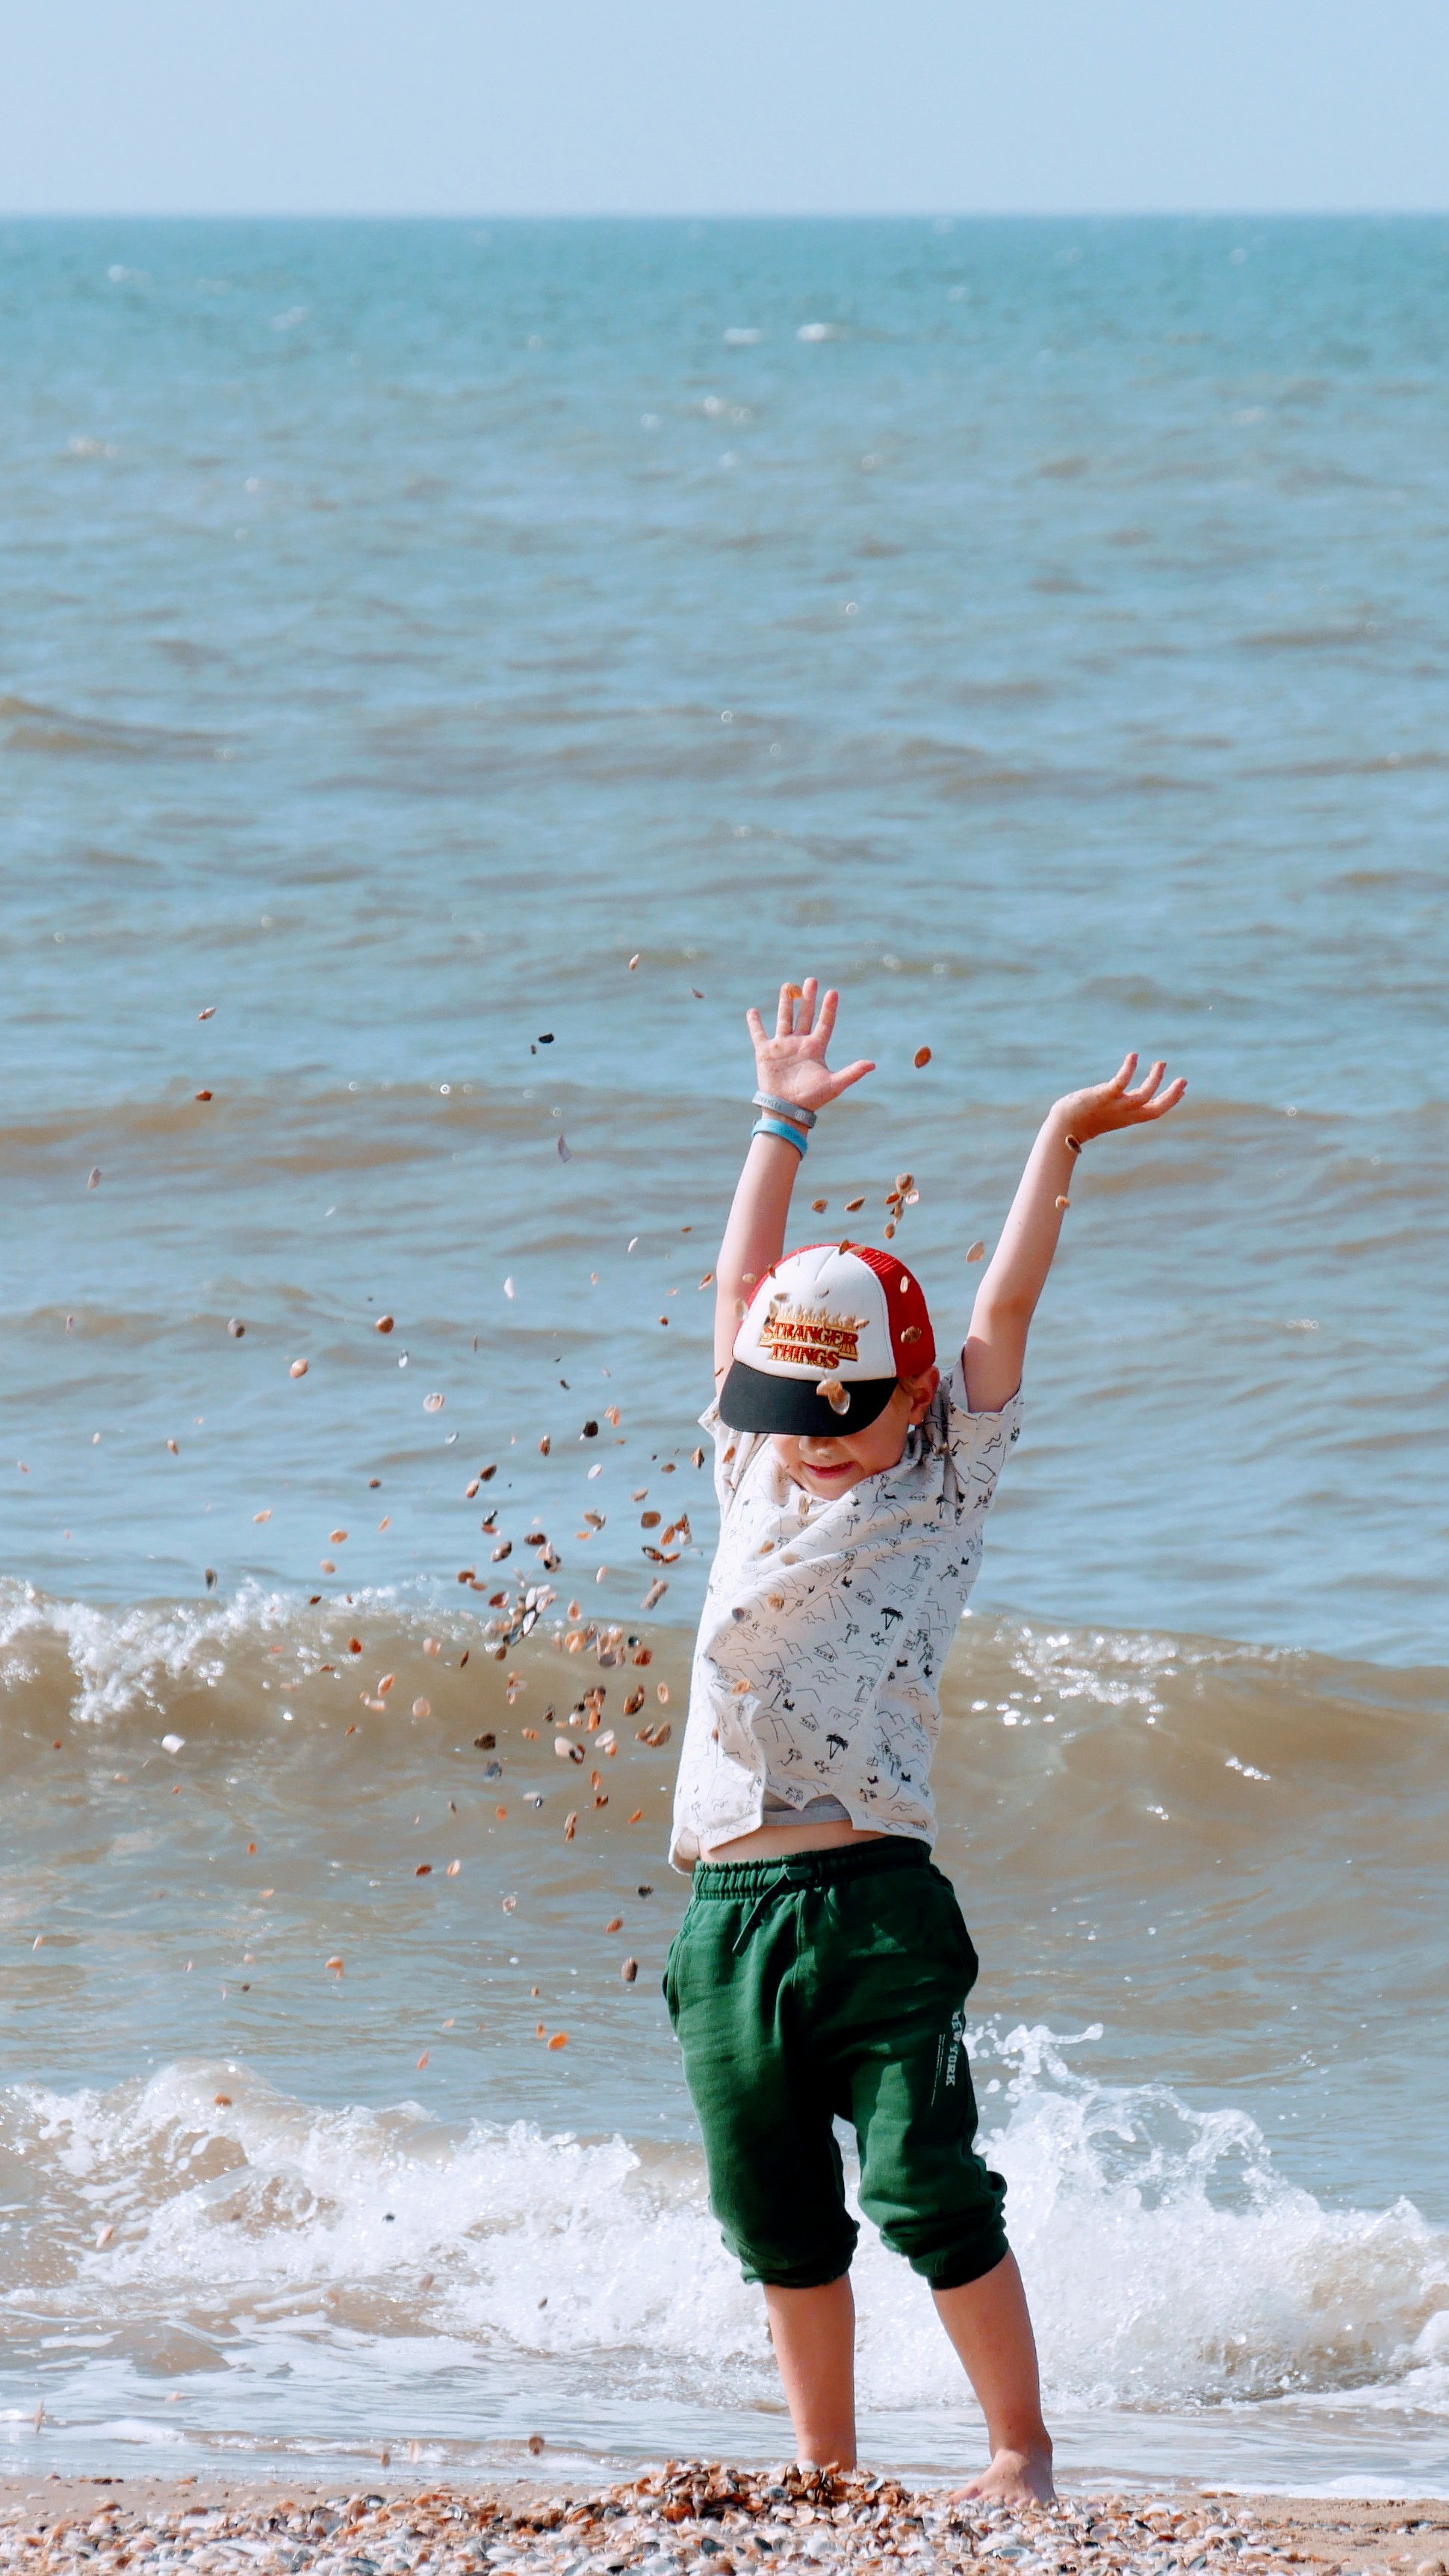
829 1467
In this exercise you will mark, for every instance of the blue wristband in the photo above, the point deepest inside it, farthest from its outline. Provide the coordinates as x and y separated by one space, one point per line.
787 1135
785 1109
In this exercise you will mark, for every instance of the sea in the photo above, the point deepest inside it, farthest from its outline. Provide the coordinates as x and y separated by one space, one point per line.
448 672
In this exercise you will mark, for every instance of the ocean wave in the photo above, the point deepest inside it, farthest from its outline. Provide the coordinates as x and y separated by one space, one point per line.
30 727
1079 1701
276 1126
105 1665
1169 2263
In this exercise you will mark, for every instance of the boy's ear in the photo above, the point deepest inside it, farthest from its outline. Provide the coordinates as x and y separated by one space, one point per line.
920 1390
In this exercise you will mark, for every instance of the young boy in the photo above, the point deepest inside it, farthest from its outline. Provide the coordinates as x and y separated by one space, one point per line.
823 1967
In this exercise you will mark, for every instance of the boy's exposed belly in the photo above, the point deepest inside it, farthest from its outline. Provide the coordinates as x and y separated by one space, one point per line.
773 1842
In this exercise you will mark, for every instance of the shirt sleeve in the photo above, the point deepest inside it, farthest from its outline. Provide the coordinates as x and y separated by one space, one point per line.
978 1444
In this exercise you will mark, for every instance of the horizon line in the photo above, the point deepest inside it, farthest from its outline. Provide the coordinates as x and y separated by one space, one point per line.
721 215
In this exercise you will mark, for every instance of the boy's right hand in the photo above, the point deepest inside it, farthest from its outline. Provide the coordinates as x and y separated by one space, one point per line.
791 1064
791 1067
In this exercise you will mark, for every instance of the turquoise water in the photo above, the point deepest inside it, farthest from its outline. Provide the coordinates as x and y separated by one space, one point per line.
375 597
1038 630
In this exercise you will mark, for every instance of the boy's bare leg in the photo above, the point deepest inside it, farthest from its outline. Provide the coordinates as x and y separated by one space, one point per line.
813 2332
988 2323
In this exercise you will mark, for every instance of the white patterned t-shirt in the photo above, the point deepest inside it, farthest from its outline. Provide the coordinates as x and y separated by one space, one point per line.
825 1627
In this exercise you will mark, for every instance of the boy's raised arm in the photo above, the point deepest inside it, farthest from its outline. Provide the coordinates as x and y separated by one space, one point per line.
790 1068
1016 1275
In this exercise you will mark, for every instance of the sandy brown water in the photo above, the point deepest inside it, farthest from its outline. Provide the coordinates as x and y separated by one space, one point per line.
1182 1889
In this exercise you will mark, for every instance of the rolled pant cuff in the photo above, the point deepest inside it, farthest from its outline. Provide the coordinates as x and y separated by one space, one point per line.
954 2271
800 2276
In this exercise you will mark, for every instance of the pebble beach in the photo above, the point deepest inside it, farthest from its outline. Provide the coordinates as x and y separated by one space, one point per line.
698 2519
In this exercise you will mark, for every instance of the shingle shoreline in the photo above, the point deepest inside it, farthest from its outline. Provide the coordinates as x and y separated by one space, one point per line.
697 2518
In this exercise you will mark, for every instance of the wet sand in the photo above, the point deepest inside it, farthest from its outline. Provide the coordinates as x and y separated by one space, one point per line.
693 2518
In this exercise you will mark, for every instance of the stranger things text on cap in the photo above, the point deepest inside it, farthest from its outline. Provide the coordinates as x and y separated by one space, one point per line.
829 1332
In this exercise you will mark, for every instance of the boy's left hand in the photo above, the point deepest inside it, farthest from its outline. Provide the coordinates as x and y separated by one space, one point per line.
1105 1106
1006 1299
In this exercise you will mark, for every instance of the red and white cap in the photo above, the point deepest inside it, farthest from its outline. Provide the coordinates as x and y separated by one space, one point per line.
829 1333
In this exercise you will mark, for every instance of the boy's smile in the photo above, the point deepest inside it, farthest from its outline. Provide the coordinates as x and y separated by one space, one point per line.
826 1468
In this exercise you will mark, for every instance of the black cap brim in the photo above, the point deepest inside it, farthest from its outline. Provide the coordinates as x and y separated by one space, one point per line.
754 1400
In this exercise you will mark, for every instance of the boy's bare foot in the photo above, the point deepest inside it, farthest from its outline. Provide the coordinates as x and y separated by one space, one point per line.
1014 2477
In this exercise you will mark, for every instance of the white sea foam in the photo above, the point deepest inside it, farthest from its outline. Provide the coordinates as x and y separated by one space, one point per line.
1169 2265
125 1658
135 1658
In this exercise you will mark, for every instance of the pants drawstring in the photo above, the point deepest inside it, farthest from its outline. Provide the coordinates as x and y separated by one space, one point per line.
758 1908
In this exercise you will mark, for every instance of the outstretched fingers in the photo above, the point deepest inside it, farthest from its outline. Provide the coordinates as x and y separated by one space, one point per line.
853 1073
1165 1100
1149 1082
1148 1100
797 1017
1108 1106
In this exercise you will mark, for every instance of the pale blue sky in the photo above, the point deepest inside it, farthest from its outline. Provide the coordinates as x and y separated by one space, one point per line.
664 106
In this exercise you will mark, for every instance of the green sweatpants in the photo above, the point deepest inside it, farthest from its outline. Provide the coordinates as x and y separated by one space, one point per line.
830 1984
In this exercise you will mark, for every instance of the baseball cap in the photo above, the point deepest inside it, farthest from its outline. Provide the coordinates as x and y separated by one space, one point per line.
841 1316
